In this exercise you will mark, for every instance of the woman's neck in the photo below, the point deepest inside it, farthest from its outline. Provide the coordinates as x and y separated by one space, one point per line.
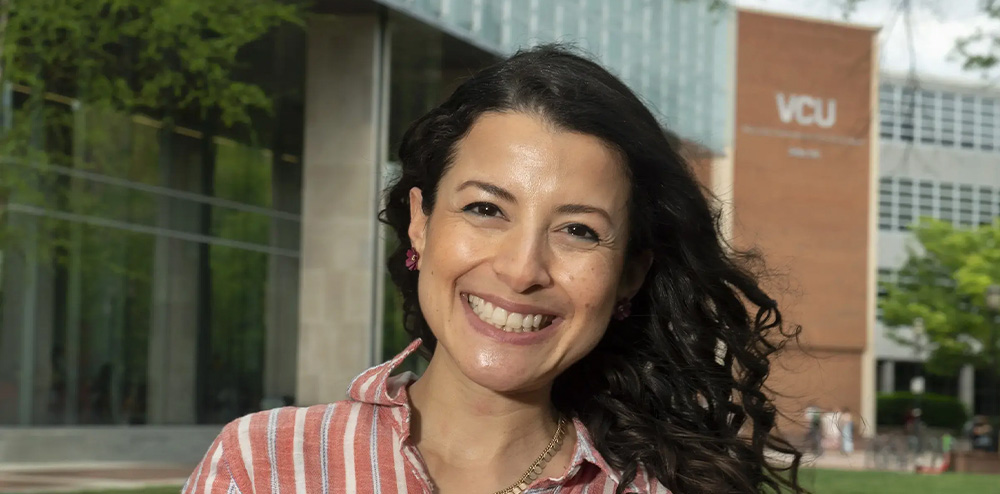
460 426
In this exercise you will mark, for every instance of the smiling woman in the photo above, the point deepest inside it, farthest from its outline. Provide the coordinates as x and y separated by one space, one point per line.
563 272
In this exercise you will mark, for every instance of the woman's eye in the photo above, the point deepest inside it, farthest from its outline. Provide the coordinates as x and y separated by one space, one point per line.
582 231
483 209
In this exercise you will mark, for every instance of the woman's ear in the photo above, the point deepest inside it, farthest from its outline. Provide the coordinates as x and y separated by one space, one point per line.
418 220
634 274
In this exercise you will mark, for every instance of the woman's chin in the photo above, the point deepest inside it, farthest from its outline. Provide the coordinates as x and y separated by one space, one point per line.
504 381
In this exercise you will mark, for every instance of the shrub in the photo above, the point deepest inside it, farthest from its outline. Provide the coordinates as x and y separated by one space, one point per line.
936 410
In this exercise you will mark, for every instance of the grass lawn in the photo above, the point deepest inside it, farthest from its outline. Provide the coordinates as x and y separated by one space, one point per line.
821 482
855 482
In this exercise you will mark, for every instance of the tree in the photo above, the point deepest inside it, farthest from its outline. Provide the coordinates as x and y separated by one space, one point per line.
981 49
944 282
978 51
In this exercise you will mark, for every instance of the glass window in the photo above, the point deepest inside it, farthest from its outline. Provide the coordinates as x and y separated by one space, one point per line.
147 299
885 203
905 204
926 199
985 205
947 203
965 205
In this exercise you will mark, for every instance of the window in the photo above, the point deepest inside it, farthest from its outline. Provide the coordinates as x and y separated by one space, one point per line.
925 201
985 393
947 127
885 203
907 106
985 203
947 203
905 204
965 205
932 117
887 110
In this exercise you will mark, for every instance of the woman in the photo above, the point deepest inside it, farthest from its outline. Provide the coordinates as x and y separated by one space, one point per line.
587 328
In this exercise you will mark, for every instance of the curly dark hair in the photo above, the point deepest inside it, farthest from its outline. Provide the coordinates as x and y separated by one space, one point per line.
678 388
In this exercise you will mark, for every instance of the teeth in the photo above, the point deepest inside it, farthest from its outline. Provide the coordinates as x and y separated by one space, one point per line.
514 322
499 317
511 322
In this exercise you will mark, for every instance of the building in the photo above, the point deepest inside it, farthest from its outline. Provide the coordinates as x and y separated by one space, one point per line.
800 179
939 156
165 280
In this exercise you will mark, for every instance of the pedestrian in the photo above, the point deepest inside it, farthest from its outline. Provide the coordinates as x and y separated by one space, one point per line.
846 431
814 438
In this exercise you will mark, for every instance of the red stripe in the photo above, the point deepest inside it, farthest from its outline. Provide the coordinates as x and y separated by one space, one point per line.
258 449
284 450
232 461
335 446
222 478
363 452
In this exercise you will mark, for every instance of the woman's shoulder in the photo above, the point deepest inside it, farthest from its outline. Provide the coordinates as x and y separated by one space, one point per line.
294 424
274 444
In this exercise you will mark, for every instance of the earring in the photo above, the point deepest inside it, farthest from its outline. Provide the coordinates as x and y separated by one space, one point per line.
623 309
411 259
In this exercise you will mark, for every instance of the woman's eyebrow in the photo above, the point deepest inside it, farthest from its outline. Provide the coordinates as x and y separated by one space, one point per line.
506 195
489 188
583 209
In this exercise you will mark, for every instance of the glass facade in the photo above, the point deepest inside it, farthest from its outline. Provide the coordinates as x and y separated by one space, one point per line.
903 201
147 269
674 54
951 118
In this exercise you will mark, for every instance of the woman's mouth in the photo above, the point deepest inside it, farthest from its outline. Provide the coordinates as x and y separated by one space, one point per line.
510 322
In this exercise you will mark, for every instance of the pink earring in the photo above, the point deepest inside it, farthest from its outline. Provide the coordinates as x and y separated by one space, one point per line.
623 309
411 259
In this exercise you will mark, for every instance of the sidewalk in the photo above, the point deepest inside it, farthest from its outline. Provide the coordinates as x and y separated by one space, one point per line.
79 477
837 461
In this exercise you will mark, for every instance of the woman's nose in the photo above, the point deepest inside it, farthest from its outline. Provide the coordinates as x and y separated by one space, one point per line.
522 260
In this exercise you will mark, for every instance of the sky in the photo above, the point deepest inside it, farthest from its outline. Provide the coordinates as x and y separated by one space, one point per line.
936 24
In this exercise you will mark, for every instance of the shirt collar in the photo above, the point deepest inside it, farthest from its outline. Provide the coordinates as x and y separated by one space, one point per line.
377 386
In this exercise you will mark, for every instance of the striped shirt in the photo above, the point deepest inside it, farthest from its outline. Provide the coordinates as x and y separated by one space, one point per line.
360 445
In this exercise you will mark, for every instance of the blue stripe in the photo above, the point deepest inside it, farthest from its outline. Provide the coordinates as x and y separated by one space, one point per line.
324 442
374 451
272 433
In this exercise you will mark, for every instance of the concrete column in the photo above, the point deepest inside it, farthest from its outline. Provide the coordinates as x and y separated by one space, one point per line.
26 327
346 77
967 387
282 292
173 340
721 180
26 332
888 374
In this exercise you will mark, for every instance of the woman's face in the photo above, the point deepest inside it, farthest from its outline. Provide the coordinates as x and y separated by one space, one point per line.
522 259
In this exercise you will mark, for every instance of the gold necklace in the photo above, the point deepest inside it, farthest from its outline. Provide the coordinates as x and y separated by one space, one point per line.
536 468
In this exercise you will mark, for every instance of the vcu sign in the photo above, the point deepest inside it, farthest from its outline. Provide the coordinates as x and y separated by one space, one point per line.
807 110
